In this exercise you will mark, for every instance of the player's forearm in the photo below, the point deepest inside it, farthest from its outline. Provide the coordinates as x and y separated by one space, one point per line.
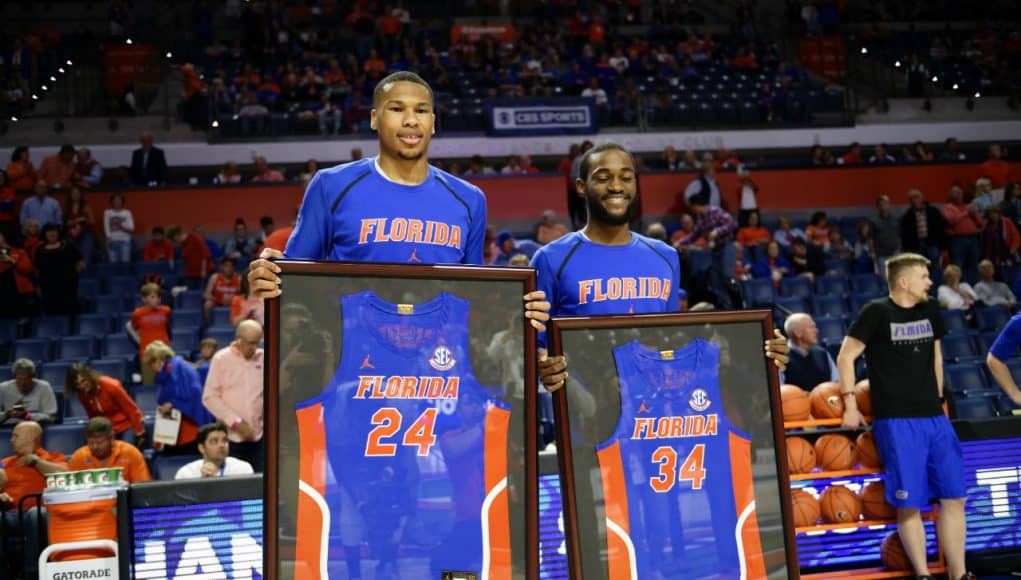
1002 375
845 370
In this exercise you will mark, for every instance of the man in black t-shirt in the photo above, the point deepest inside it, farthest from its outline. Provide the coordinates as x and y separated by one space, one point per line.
900 337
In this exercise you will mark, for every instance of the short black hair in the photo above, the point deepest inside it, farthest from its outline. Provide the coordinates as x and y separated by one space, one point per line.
209 428
18 152
586 158
699 199
67 148
158 230
98 426
265 221
399 76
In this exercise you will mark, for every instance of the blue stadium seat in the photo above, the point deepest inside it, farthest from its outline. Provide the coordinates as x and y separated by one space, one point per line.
73 410
796 286
64 438
758 292
124 285
6 374
53 373
38 350
119 345
77 348
51 327
220 317
165 467
838 266
5 444
831 285
792 304
145 398
957 346
954 321
965 377
984 341
829 306
186 319
867 284
97 325
107 304
108 270
858 301
112 367
831 328
88 288
223 336
184 339
8 330
159 267
991 317
190 300
1005 406
975 407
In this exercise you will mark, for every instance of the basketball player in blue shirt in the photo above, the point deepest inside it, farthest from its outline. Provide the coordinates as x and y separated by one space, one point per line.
394 207
605 268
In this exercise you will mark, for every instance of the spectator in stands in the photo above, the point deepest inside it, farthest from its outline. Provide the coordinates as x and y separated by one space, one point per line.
356 153
26 398
999 240
525 164
207 348
687 226
148 163
58 264
149 322
222 286
278 238
17 290
508 247
963 225
772 265
594 91
657 231
41 207
119 225
670 160
921 228
31 237
329 111
747 192
89 169
513 166
718 228
810 363
548 228
985 197
102 450
837 248
214 446
194 253
753 237
1011 204
988 290
58 171
309 171
263 172
853 155
241 246
245 306
234 391
228 175
881 155
20 171
864 249
785 233
921 152
180 389
104 396
951 151
79 223
818 230
806 259
886 232
158 247
8 204
954 294
704 183
996 169
24 474
266 227
477 166
819 158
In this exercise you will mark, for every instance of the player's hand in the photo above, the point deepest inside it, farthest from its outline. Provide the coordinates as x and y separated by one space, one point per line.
777 349
209 469
262 274
537 309
1016 397
5 499
853 419
552 370
140 441
26 460
166 408
245 431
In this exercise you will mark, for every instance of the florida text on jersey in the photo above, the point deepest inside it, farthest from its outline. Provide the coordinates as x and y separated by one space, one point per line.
677 468
354 213
581 277
402 418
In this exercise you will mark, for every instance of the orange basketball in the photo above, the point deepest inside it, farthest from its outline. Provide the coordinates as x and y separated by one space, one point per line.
873 502
826 401
868 455
800 455
835 452
892 553
839 505
806 508
796 406
863 396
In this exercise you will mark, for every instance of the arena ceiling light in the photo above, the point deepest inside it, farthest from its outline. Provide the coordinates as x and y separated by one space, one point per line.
45 88
69 63
15 119
129 41
935 79
53 79
864 50
35 97
215 124
977 94
170 54
60 70
896 64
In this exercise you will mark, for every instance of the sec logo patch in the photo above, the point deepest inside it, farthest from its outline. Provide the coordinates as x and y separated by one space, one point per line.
442 359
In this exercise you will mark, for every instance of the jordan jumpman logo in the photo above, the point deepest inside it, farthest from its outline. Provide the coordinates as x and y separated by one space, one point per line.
366 364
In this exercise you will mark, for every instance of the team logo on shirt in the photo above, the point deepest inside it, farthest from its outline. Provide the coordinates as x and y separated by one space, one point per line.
366 364
442 359
908 332
699 400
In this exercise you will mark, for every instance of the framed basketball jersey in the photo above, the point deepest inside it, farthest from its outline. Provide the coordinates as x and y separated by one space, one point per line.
400 441
667 438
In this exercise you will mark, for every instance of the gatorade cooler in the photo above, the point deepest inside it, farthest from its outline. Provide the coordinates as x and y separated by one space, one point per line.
82 508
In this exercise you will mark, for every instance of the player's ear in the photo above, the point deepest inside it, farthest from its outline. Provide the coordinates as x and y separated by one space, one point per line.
372 118
579 186
434 124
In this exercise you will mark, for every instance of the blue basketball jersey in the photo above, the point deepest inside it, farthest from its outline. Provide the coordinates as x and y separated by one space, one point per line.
403 435
676 468
352 212
581 277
